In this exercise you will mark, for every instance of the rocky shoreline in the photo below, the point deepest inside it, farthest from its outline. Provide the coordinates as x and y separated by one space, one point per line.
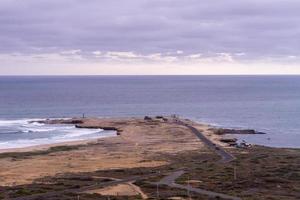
223 131
226 134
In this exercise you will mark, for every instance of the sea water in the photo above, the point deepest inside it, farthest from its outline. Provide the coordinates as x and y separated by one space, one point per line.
269 104
27 133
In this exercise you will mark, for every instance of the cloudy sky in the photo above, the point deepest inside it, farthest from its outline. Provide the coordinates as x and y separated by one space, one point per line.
149 37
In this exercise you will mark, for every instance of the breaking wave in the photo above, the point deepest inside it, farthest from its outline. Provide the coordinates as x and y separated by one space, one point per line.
25 133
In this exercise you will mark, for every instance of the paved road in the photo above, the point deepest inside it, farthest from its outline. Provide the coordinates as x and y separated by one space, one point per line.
48 195
226 157
170 181
205 192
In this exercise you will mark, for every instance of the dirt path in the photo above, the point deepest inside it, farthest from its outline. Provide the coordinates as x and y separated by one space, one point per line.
170 179
138 190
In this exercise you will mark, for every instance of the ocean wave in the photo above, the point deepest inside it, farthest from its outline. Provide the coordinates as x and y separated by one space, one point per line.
79 133
38 130
21 143
40 134
12 122
10 132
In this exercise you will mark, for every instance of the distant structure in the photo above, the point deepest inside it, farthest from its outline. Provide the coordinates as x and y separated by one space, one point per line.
243 144
147 118
175 116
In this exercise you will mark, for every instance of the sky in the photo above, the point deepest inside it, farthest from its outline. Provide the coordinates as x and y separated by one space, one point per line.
149 37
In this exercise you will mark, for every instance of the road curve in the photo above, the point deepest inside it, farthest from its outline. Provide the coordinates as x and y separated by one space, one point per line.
226 157
170 181
50 194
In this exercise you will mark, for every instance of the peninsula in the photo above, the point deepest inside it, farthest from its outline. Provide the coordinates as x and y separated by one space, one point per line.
150 158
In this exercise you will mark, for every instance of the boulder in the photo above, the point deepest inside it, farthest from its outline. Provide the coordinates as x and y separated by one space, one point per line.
227 140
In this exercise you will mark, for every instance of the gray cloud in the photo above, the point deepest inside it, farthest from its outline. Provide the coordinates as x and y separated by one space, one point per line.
257 28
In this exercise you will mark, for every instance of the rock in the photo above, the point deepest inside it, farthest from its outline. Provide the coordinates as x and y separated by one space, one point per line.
229 140
59 121
74 121
106 128
260 133
223 131
161 118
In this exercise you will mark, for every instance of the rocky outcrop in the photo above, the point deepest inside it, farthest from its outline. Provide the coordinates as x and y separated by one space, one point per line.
230 141
106 128
223 131
79 123
59 121
147 118
162 118
159 117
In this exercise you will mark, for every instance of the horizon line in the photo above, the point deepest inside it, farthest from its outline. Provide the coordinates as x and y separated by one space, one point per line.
70 75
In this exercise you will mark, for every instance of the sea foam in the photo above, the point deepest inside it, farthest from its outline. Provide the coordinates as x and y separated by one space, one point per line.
25 133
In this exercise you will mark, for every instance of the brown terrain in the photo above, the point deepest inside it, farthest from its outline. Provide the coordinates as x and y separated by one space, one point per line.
150 158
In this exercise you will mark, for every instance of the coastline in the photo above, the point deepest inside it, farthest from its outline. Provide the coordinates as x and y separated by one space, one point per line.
47 146
268 139
144 147
81 123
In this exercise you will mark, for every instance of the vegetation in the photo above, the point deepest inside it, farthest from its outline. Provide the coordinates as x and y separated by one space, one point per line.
24 155
261 173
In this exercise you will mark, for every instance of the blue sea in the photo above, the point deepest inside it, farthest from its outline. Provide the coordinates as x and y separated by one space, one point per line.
269 104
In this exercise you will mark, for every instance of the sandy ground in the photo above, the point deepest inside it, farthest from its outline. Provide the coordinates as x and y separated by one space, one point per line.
125 189
140 144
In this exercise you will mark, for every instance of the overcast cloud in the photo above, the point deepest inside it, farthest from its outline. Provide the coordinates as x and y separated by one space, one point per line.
151 30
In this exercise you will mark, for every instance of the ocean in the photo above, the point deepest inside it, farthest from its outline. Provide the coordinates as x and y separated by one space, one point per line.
269 104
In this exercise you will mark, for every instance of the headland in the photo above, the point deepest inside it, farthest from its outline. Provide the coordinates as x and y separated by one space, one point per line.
150 158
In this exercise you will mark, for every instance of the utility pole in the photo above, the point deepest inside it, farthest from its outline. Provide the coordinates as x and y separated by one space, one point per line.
188 188
234 172
157 192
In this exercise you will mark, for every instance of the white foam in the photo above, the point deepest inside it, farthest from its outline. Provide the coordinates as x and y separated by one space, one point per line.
13 122
40 134
37 130
44 141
